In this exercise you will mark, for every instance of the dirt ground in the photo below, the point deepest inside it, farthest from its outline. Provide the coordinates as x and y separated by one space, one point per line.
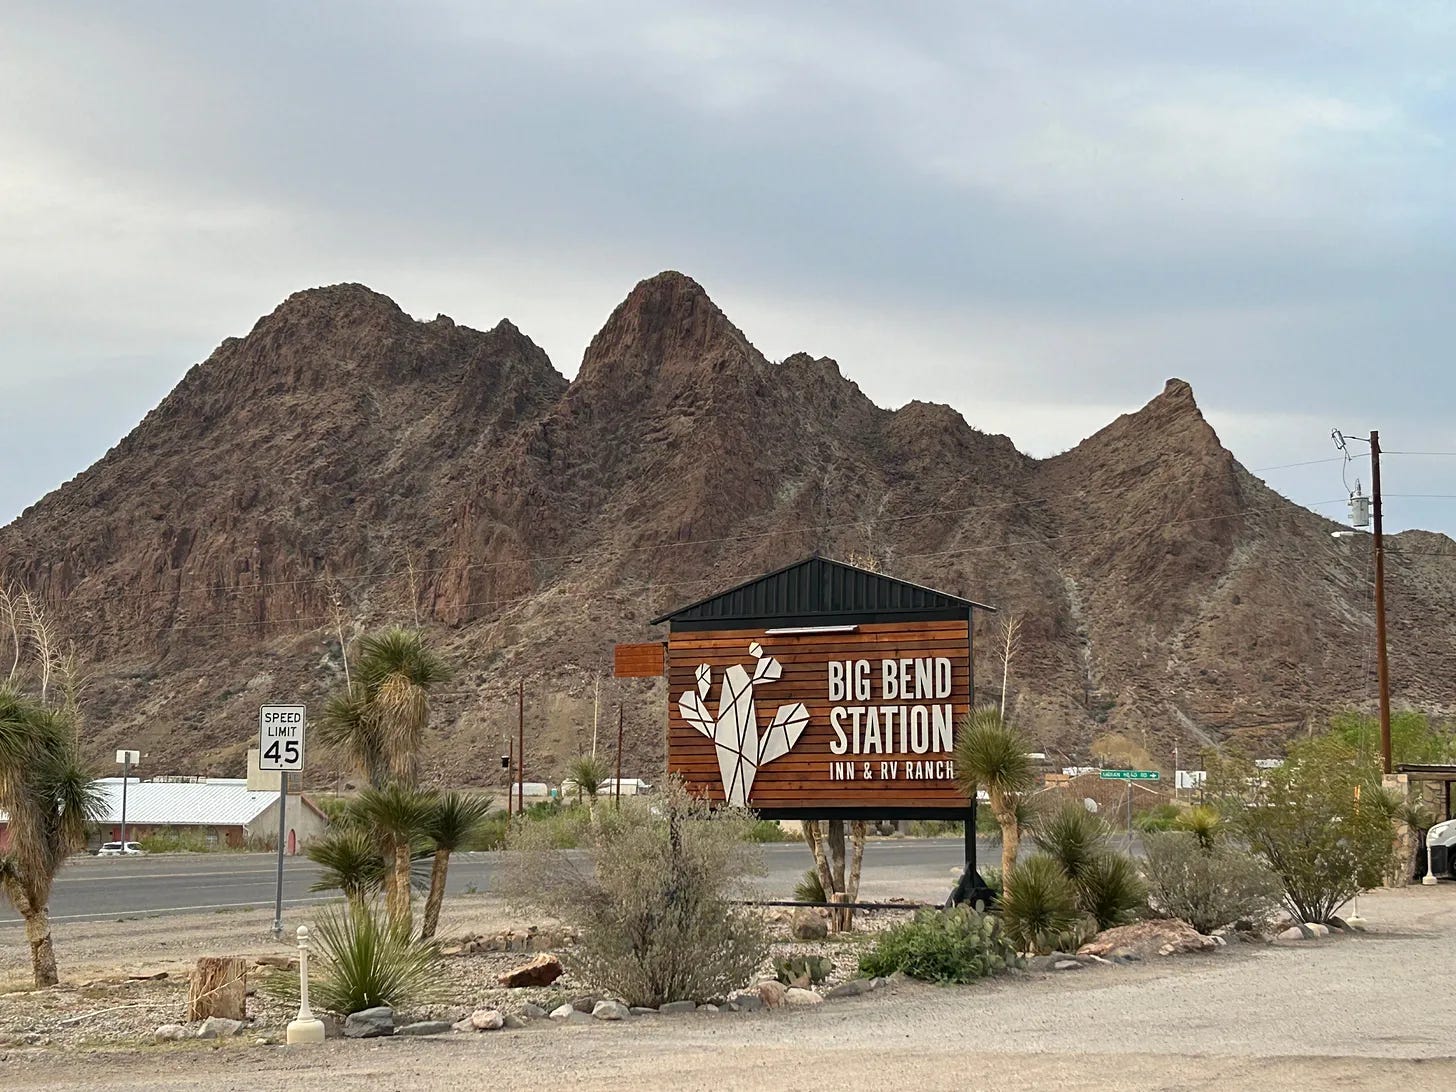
1363 1011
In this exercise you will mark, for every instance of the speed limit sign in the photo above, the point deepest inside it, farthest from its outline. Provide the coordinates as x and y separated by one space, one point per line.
280 737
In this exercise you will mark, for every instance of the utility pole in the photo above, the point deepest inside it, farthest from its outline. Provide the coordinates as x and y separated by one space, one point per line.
521 746
1382 666
617 786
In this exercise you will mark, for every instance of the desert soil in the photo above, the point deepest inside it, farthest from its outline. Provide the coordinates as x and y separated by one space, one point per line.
1363 1011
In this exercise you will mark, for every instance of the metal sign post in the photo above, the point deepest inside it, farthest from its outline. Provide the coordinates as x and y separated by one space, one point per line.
280 748
1129 776
128 759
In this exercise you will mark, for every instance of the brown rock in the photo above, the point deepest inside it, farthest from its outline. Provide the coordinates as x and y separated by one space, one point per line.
1143 939
541 971
772 993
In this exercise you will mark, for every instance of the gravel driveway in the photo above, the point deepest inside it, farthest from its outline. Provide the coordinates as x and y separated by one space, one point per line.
1343 1012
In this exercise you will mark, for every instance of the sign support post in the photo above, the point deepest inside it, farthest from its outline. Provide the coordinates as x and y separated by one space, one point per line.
280 749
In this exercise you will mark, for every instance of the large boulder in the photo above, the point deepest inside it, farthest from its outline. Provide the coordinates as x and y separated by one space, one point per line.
1143 939
541 971
808 924
370 1023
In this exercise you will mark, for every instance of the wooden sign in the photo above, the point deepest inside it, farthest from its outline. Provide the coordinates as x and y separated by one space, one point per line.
829 718
639 661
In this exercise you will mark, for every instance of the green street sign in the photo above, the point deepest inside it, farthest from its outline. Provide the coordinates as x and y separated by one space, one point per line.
1128 775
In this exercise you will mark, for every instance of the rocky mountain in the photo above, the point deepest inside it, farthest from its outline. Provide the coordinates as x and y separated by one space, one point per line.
344 466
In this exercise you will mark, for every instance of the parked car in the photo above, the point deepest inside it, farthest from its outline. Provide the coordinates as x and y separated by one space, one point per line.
117 849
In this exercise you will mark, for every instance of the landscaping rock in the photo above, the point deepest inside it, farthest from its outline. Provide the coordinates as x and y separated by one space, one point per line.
796 996
771 992
1159 936
170 1033
532 1012
744 1001
370 1023
677 1008
463 1025
853 988
541 971
514 1022
425 1027
808 925
610 1010
1066 965
1295 932
642 1010
586 1003
1317 929
219 1027
487 1019
711 1010
561 1012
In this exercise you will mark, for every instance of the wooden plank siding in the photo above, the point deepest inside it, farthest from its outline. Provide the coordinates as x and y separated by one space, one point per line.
802 780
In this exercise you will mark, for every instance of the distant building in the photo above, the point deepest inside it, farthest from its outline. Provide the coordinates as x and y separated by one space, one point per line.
222 811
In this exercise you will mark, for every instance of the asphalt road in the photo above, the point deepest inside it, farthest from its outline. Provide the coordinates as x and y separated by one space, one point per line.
98 889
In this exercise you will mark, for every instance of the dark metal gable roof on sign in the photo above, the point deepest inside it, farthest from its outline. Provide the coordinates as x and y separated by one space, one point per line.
818 590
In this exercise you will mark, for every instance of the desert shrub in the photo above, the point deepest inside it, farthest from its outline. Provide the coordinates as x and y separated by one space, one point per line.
991 874
1041 905
1072 836
944 828
365 959
1305 820
766 830
954 945
491 834
810 888
558 826
180 841
349 860
652 902
1110 890
806 970
1207 889
1163 817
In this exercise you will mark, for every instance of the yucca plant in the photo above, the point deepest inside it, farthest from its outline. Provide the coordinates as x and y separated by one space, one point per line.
590 773
368 959
991 755
1204 823
1073 837
1110 889
50 798
810 888
1039 903
397 815
351 863
454 820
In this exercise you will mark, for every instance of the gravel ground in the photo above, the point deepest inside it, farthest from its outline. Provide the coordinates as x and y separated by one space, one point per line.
1360 1011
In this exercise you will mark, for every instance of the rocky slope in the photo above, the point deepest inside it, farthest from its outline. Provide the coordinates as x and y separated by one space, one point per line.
344 466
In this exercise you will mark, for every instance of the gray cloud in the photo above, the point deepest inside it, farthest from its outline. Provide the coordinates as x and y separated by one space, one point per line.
1033 211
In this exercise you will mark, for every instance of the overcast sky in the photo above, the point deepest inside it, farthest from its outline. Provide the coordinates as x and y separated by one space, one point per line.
1034 211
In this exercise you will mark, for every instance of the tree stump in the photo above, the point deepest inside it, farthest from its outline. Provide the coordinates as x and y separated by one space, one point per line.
218 987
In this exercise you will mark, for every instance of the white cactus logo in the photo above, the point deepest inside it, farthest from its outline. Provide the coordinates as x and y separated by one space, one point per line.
741 751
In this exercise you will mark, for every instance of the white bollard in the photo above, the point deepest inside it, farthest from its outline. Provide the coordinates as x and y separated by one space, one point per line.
305 1028
1429 879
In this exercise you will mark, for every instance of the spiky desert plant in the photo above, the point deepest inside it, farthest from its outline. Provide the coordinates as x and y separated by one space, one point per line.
50 798
454 820
1039 903
1073 837
1203 822
351 863
590 773
1110 890
810 888
991 755
368 959
398 816
379 719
